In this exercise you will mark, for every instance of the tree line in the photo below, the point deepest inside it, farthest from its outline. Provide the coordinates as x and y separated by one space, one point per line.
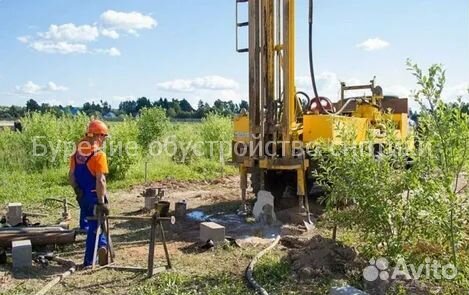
175 108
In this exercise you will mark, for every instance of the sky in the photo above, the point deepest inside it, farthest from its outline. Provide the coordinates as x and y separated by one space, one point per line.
70 52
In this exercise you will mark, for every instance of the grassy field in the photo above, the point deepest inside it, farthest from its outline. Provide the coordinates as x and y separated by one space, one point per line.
29 179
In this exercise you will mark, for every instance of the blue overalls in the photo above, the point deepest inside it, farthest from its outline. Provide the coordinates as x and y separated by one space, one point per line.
86 181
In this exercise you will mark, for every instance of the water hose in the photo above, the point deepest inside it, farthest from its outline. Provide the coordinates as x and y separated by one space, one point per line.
250 269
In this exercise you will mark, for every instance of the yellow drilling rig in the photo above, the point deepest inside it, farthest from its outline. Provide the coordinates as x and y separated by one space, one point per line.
281 120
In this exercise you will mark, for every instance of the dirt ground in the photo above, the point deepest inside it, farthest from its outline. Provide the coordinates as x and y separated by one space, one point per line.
216 201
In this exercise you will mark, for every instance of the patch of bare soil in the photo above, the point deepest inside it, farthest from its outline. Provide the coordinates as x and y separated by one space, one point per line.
321 257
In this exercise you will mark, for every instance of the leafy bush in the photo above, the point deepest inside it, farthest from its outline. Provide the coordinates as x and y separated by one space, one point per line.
187 140
121 148
12 150
152 124
48 141
216 132
366 192
443 133
397 209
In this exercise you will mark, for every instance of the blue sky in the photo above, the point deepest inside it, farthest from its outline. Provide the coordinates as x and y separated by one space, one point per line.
69 52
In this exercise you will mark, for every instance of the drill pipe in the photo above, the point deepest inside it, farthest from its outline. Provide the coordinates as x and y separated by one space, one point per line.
39 236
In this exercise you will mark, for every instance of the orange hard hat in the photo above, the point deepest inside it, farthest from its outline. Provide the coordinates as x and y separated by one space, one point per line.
97 127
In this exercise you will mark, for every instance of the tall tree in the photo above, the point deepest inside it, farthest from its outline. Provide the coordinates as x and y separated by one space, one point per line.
185 106
32 106
142 103
129 107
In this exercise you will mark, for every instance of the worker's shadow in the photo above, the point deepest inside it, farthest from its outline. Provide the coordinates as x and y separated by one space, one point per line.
36 272
112 283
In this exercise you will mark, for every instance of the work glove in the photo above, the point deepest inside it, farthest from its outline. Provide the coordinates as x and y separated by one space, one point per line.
102 209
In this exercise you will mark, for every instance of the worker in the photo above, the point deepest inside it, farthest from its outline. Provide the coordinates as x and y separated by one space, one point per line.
87 175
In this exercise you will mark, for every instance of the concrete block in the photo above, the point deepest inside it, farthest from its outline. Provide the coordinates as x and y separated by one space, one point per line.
347 290
212 231
263 209
150 203
21 252
15 213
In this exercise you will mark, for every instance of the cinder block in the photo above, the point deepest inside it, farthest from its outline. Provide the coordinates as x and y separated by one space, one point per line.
150 203
15 213
21 252
212 231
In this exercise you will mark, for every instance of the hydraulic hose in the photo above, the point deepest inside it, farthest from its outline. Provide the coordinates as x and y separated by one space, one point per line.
250 269
311 63
311 66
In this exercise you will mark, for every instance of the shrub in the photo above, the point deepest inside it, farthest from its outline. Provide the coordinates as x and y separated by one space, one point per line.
12 151
121 148
187 140
216 132
366 192
48 141
152 124
444 146
396 209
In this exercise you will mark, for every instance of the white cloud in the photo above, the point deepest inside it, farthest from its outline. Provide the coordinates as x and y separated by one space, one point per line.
71 33
121 98
70 38
110 33
29 88
201 83
111 51
127 21
32 88
373 44
459 90
61 47
114 52
23 39
51 86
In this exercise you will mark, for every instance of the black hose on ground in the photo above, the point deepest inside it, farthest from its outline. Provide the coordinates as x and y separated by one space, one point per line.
250 269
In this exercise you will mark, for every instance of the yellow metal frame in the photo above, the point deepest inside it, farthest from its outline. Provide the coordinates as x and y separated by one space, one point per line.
267 54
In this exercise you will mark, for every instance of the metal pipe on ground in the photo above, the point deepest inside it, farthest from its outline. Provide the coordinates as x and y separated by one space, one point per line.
39 236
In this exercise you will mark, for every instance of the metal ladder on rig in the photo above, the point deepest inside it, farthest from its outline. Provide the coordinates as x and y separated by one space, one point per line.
240 25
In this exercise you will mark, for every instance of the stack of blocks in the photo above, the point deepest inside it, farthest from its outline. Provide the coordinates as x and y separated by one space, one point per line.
15 214
212 231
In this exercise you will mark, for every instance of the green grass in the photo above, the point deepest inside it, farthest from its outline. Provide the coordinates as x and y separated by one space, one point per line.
178 284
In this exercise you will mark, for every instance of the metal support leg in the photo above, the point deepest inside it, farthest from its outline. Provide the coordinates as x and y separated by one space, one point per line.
301 190
110 247
96 242
262 179
151 250
244 185
163 240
